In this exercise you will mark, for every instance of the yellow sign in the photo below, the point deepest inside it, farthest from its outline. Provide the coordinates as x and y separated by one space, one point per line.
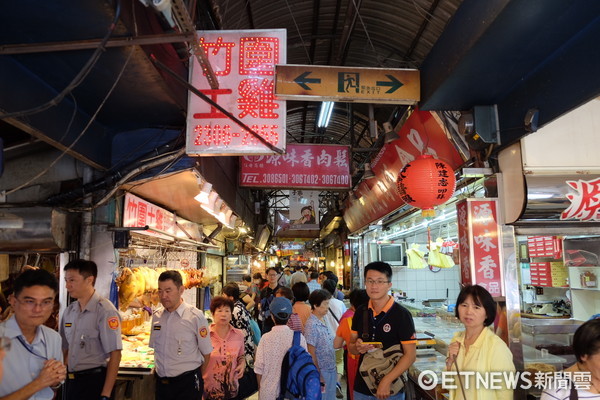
360 85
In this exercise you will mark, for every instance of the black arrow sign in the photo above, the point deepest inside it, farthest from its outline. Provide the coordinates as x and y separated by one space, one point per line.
303 79
393 82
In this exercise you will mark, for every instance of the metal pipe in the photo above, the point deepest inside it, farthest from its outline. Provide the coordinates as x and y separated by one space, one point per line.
51 47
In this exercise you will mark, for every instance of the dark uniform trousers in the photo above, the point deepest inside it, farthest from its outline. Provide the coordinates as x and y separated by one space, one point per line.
187 386
86 384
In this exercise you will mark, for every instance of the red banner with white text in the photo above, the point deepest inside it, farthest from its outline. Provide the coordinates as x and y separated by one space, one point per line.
422 133
304 166
478 233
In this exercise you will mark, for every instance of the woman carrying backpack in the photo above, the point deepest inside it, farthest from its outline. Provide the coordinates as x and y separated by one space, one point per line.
319 340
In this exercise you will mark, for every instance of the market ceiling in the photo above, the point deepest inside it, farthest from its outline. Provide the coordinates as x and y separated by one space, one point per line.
518 54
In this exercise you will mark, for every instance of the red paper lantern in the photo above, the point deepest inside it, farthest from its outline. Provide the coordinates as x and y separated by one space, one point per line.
426 182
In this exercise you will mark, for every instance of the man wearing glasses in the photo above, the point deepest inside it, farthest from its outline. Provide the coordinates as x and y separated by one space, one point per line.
91 332
266 297
388 324
33 365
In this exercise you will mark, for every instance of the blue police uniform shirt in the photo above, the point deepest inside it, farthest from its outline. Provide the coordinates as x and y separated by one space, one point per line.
23 364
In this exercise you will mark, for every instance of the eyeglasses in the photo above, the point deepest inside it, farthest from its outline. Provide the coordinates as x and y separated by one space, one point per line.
378 282
5 343
31 304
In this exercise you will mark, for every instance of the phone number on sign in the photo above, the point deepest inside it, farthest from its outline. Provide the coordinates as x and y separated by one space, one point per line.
295 179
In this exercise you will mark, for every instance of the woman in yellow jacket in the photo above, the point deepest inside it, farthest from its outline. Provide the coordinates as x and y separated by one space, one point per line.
477 351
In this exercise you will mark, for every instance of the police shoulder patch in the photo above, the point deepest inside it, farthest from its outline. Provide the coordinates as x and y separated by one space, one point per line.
113 323
203 332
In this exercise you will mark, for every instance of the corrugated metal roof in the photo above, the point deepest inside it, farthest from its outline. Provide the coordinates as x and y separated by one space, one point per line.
383 34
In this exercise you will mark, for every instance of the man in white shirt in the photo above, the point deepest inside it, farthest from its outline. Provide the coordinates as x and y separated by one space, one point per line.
272 348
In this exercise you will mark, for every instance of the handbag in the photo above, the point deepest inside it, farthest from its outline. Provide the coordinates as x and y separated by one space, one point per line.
377 363
247 384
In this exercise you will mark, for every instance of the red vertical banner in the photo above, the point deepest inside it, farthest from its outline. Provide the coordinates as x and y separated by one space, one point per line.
478 231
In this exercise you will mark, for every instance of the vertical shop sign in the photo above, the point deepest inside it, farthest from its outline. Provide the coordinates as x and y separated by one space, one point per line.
244 63
480 244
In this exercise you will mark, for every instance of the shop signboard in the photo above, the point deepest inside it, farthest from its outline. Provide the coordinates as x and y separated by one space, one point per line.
479 244
422 133
244 64
138 213
304 166
359 85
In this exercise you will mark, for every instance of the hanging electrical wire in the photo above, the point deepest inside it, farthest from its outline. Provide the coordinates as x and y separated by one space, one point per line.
85 128
79 78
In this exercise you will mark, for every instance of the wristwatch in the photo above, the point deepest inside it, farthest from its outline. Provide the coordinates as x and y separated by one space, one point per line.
104 398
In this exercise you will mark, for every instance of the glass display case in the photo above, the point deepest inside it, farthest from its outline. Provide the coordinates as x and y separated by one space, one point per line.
551 337
236 266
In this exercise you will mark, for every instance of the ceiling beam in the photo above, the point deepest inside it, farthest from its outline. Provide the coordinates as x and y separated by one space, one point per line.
525 54
53 125
51 47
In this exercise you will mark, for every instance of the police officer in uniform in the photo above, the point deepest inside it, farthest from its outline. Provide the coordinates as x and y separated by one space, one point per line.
33 365
91 332
181 342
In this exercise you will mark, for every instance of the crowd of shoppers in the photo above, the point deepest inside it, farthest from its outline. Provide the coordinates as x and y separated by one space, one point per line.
195 359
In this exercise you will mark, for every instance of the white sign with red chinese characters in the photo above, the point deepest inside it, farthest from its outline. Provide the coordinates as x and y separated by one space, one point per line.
478 233
138 213
244 63
585 200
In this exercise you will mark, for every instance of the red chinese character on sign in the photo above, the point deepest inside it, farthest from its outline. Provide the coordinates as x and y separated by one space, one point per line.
585 203
220 70
131 209
159 219
214 113
257 99
258 55
142 210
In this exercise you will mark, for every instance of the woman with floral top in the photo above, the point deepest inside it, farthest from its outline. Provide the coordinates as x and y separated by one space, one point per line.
240 319
226 364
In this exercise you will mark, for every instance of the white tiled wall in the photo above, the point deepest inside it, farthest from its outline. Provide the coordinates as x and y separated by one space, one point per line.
422 284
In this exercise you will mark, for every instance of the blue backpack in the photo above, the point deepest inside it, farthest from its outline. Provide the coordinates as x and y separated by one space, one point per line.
300 378
255 330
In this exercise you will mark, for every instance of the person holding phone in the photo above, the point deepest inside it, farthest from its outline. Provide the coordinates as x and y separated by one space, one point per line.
389 323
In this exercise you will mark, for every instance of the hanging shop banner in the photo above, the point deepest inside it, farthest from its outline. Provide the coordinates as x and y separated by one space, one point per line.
422 133
244 63
478 233
304 209
138 213
304 166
